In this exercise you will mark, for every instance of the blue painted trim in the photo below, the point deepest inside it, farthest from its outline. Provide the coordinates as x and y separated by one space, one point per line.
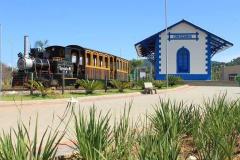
185 76
157 56
208 55
178 59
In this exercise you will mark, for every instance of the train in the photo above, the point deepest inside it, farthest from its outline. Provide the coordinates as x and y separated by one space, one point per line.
72 62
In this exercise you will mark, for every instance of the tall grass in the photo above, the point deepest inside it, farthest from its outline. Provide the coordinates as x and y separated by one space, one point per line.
216 136
123 137
91 134
18 144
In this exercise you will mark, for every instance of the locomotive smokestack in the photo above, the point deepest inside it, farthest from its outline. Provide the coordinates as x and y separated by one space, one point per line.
26 45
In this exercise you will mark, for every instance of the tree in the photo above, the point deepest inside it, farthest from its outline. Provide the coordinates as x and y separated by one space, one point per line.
135 64
234 62
41 45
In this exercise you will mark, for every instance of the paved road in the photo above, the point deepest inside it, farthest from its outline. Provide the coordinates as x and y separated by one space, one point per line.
11 112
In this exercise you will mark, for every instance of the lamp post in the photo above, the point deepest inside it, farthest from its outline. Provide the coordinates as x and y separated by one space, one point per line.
1 74
166 47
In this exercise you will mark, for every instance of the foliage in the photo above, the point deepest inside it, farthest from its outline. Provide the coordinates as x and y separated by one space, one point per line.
91 135
216 135
139 84
41 45
234 62
120 85
44 91
6 76
20 145
174 80
238 79
159 84
135 63
88 85
124 138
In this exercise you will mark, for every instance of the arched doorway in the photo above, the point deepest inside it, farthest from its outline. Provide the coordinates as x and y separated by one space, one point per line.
183 60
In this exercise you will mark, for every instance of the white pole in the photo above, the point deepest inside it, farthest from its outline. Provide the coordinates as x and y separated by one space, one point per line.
166 31
1 74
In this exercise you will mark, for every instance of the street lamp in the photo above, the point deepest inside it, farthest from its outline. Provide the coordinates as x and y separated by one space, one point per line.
166 47
1 74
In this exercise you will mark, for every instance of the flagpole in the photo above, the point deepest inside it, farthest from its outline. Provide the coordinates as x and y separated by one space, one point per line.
1 74
166 47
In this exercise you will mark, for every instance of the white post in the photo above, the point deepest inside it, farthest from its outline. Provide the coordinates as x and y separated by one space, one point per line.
1 74
166 31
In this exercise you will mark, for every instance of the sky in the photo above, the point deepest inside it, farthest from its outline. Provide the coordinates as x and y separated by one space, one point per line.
113 26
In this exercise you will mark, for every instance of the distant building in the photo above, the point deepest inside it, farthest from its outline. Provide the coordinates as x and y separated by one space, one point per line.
230 72
190 49
142 73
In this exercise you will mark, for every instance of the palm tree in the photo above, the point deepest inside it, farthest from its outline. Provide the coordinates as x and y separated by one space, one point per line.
41 45
135 64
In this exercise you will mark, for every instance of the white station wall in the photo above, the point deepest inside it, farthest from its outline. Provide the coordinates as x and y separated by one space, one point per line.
197 50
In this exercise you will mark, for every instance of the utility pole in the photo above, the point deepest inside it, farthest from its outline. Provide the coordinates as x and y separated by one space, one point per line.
1 74
166 47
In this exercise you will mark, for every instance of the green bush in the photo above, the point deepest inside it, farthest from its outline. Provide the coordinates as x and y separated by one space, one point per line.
91 134
140 84
174 80
19 144
37 85
120 85
159 84
238 79
216 134
88 85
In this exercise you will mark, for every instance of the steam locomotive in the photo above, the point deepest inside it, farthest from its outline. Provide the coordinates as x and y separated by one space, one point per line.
55 63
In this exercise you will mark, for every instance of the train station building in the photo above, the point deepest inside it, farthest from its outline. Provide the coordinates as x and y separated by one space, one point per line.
190 50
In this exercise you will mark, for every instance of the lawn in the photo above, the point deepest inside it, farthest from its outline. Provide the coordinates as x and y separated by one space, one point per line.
20 97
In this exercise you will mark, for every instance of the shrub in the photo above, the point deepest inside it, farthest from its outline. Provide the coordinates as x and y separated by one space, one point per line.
238 79
18 144
216 135
89 86
159 84
140 84
174 80
44 91
120 85
124 138
91 134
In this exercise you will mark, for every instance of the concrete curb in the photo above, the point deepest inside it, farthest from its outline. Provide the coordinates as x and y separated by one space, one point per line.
88 98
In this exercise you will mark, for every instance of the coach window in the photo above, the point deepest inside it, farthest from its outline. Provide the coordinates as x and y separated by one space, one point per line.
88 59
101 61
106 62
74 58
117 64
94 60
80 60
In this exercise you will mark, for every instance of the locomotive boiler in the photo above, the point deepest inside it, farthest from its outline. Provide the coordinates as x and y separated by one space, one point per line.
71 62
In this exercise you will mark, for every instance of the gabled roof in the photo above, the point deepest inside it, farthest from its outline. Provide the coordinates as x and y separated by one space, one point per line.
146 47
